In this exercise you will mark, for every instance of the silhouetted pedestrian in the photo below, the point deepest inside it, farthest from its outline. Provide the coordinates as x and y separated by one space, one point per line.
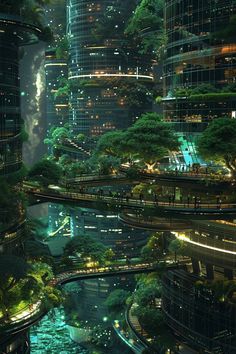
173 199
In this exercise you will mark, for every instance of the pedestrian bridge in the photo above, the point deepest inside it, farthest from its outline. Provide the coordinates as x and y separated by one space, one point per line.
190 209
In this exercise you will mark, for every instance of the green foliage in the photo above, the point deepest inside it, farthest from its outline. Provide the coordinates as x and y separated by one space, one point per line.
213 96
12 270
62 49
217 143
135 94
113 22
18 176
149 139
150 318
45 171
52 297
116 300
57 136
231 88
147 16
146 24
153 249
77 169
146 294
207 92
110 143
176 247
86 247
108 164
203 89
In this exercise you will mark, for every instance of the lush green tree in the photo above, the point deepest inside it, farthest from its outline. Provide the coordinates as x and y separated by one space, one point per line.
146 294
146 24
153 249
57 136
135 94
12 270
109 254
150 139
78 168
62 49
217 143
116 300
111 143
177 247
86 248
108 164
150 318
45 171
222 290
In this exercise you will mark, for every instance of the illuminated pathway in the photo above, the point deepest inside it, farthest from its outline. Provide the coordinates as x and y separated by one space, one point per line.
164 208
33 313
72 275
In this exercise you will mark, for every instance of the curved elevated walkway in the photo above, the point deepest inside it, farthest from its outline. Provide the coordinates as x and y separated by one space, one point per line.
163 208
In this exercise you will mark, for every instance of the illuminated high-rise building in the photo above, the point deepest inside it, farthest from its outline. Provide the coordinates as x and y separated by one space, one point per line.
199 86
14 33
56 69
200 66
102 61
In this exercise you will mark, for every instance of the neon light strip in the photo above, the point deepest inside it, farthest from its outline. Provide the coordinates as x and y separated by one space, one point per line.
186 239
56 64
112 75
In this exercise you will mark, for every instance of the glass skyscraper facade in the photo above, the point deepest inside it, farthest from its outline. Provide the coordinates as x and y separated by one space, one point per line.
13 34
200 65
199 86
99 64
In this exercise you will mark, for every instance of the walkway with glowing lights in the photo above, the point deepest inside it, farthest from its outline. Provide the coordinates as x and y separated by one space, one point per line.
169 177
109 271
191 209
32 313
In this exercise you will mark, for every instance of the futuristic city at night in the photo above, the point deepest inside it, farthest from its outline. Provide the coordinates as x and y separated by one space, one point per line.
117 176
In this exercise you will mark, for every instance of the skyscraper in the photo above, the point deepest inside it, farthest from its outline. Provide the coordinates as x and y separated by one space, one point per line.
103 61
199 86
14 33
200 67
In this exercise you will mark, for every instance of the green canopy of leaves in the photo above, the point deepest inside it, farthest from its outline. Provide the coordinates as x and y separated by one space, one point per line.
46 171
148 139
86 247
116 301
146 24
217 143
